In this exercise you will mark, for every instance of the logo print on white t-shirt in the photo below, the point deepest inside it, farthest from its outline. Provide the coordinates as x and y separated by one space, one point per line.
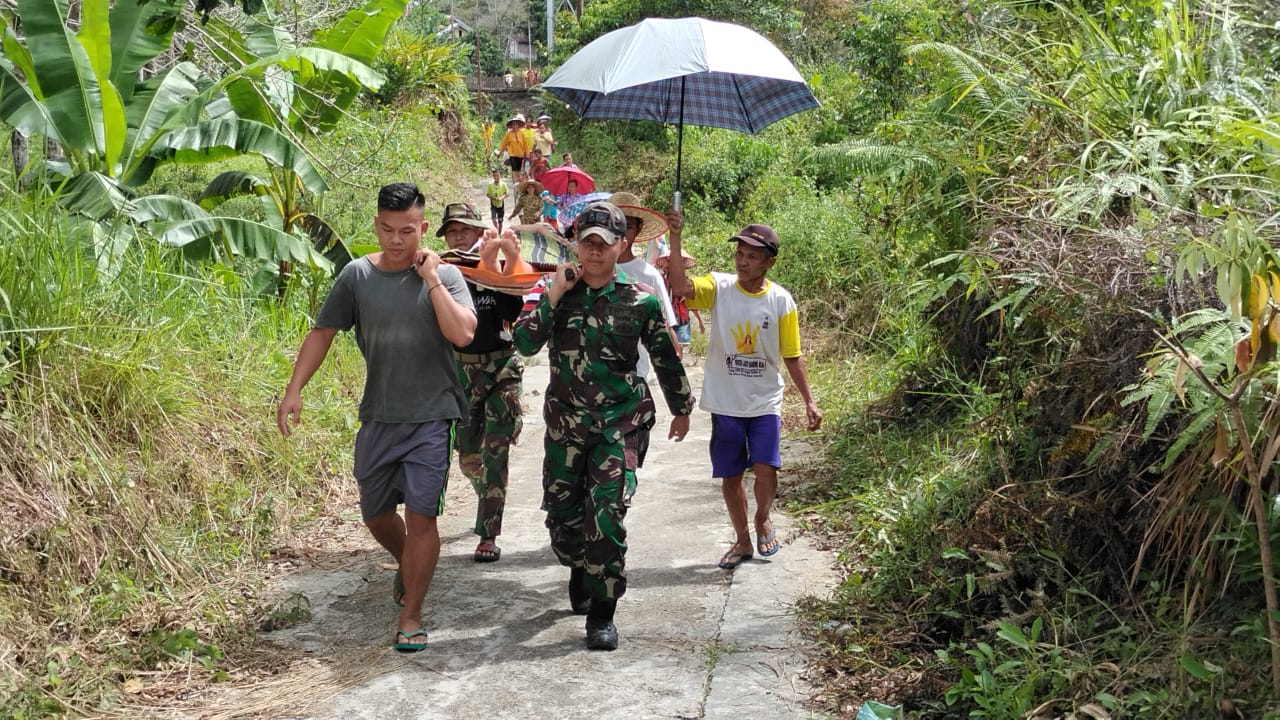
746 339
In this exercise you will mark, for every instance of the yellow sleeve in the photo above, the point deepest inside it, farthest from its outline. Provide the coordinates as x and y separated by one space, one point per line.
506 143
789 334
704 293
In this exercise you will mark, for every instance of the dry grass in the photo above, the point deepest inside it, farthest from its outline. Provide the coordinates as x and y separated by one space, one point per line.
263 687
134 512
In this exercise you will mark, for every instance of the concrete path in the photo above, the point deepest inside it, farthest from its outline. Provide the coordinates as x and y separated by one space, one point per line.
696 641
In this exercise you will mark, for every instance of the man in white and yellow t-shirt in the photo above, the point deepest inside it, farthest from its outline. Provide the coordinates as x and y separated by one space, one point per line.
754 332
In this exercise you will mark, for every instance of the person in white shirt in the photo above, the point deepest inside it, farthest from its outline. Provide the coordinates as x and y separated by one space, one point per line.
754 332
643 225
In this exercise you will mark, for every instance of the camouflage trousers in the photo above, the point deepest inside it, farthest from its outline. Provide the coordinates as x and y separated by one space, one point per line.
491 384
587 488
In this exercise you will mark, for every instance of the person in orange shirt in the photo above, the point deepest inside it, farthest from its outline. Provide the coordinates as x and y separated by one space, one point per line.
516 143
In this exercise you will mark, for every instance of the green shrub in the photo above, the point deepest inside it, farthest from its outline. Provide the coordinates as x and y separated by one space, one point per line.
722 166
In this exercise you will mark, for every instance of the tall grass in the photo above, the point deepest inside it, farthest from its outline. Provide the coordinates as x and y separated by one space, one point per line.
139 465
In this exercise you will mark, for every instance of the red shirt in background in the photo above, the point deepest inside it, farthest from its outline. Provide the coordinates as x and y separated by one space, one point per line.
538 168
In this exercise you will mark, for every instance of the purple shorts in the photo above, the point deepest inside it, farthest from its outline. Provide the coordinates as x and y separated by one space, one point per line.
737 443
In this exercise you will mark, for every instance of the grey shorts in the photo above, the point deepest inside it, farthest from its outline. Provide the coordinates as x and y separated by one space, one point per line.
403 463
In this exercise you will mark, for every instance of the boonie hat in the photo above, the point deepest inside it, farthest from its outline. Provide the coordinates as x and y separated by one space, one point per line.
759 235
603 220
519 118
652 223
464 213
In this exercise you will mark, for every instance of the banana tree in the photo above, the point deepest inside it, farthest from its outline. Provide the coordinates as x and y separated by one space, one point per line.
301 91
81 88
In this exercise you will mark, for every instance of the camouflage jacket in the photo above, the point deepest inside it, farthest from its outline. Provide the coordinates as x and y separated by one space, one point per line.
595 337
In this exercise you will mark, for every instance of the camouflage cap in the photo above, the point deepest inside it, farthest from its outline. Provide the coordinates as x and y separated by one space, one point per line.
464 213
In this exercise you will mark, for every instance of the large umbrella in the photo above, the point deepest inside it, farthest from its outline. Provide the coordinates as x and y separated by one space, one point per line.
557 180
683 70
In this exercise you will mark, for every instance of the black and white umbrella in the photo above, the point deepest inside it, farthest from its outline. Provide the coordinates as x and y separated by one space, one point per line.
683 70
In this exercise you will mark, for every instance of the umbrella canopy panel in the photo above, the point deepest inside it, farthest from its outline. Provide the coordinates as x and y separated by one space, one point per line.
571 210
690 70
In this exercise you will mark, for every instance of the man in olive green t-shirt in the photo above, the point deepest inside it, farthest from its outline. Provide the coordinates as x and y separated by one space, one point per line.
408 311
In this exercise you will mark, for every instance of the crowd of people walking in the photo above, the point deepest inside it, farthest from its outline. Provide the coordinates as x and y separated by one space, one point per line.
442 334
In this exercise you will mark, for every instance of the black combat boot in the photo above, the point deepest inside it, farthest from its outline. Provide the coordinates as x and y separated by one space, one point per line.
579 601
601 633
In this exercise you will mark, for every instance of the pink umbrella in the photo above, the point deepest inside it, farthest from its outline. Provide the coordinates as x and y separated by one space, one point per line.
557 180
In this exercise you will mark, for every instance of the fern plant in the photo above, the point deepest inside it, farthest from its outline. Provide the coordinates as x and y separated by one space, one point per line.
1218 370
1208 337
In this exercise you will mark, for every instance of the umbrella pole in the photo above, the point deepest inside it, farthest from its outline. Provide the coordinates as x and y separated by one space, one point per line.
679 146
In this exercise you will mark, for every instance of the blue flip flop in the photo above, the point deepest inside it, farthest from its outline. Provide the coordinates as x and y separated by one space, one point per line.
407 645
769 544
397 589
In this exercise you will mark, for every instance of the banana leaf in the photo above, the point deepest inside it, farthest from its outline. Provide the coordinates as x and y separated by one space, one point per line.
154 105
140 31
19 106
95 37
62 69
228 137
94 195
326 241
231 184
183 224
359 36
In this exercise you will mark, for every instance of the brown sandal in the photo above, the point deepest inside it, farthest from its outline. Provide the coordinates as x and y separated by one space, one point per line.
487 551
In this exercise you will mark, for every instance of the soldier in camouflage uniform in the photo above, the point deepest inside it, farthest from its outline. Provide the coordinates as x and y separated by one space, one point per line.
596 409
491 373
